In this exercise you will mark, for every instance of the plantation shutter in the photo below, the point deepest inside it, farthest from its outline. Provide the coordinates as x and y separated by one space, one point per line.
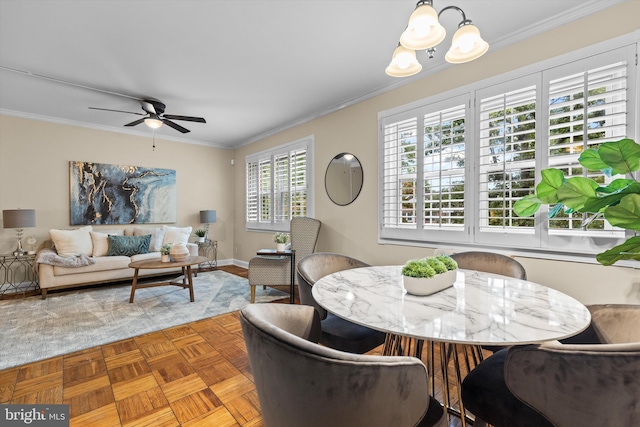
399 174
278 186
252 192
444 168
298 179
507 159
586 109
422 184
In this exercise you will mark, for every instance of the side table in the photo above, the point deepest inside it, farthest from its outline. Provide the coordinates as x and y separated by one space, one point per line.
17 274
209 250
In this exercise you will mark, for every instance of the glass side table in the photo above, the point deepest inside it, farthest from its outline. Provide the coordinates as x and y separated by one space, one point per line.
209 250
17 275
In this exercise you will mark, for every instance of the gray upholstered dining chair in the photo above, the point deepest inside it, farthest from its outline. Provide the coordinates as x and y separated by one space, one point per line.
337 332
490 262
301 383
591 379
275 270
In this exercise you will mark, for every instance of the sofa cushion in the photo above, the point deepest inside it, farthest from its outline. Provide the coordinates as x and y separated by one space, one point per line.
103 263
101 242
142 257
128 245
176 234
72 242
157 236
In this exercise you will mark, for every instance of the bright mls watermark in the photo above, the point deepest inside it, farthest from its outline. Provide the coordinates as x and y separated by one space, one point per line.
34 415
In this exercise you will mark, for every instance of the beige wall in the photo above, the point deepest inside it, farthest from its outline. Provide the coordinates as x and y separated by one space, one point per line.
352 229
34 173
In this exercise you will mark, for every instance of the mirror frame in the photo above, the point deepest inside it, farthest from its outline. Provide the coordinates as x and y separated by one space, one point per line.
340 161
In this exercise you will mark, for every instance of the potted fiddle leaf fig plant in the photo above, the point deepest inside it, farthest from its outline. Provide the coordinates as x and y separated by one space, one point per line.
429 275
281 240
618 202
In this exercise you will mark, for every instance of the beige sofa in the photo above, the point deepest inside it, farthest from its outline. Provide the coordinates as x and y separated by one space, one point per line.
65 261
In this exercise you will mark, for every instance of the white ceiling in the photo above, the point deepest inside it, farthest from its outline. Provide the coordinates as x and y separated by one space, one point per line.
250 68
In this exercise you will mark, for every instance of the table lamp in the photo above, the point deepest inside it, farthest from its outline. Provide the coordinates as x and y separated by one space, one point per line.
18 219
207 217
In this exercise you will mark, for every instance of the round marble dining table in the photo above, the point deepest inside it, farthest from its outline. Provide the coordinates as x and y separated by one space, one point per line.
479 309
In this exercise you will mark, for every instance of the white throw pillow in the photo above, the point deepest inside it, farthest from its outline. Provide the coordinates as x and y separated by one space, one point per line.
157 236
176 234
101 241
73 242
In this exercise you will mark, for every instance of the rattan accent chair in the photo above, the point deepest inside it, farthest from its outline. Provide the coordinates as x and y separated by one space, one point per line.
301 383
276 271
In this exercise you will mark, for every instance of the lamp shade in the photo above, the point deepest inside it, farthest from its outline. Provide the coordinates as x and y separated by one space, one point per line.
18 218
403 63
466 45
424 30
207 217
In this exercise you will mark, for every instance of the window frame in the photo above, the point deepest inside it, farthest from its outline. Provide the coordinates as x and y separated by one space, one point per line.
539 240
271 159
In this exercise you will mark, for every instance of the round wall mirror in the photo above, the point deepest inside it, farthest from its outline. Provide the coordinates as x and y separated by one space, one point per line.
343 179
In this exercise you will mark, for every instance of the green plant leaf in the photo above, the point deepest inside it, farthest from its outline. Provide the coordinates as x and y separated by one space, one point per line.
628 250
547 189
623 156
527 206
625 214
590 159
575 191
615 185
596 204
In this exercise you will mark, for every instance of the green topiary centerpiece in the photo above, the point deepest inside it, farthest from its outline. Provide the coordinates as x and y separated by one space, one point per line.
426 276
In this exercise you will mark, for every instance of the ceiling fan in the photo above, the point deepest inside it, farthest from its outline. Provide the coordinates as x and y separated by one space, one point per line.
155 117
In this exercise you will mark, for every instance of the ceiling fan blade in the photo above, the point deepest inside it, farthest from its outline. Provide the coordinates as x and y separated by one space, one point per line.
116 111
135 123
185 118
174 125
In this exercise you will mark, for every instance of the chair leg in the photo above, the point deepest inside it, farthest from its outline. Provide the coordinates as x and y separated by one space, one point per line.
253 294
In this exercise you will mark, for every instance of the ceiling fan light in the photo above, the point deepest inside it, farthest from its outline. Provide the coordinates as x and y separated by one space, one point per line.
467 45
403 63
153 122
424 29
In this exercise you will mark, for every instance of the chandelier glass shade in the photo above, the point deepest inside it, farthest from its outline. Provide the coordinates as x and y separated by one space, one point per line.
466 45
424 32
403 63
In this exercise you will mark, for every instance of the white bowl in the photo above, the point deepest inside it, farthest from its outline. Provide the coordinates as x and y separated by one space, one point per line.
423 286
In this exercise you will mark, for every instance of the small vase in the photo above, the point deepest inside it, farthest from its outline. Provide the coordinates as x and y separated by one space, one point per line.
179 252
201 239
165 258
280 247
423 286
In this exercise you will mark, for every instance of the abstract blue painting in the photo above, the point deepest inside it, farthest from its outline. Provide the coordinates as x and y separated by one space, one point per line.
115 194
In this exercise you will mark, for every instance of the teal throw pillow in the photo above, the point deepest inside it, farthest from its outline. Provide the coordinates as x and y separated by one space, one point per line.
128 245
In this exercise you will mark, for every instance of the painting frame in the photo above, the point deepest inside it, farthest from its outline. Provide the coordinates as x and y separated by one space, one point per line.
103 194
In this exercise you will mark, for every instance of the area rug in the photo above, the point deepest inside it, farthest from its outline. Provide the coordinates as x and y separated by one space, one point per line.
34 329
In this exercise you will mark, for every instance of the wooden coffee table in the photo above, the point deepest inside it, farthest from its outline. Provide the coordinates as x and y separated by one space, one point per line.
187 280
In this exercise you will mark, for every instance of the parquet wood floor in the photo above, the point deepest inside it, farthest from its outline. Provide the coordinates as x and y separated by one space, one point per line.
195 374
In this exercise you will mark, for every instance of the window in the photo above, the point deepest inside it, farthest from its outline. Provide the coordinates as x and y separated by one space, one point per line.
453 166
278 185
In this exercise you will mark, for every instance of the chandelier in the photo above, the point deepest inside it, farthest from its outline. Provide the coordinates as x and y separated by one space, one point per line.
424 32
